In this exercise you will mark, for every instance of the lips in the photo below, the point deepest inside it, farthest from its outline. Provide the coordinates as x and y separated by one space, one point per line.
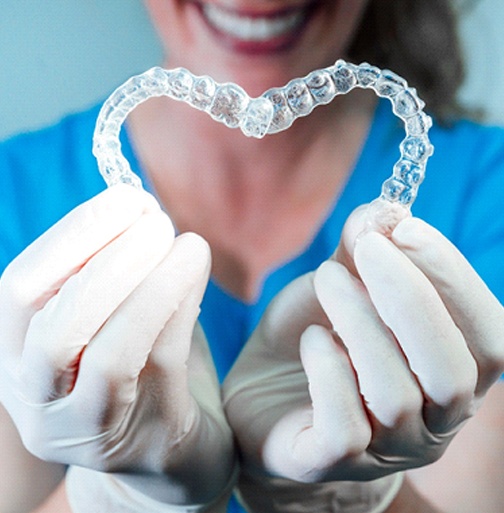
257 32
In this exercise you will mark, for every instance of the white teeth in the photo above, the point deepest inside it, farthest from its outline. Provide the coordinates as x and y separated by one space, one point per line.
248 28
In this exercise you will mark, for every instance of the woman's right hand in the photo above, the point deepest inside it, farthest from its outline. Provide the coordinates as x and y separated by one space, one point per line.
103 364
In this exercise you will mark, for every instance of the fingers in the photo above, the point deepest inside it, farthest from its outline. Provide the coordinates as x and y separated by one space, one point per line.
305 444
409 305
38 273
151 331
59 332
475 310
187 273
389 389
341 405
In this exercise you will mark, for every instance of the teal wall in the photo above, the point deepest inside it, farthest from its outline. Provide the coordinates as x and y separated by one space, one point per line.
61 55
483 41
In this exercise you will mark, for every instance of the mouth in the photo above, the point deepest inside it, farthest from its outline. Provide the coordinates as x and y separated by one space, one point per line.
255 33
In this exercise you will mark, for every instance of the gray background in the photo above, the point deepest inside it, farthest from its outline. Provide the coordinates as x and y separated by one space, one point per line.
58 56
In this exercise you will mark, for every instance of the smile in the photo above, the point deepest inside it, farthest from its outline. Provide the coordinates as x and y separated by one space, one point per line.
255 28
254 31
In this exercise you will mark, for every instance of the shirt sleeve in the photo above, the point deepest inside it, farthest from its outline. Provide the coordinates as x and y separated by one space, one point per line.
43 175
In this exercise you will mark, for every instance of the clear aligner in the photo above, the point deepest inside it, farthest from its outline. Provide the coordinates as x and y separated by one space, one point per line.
272 112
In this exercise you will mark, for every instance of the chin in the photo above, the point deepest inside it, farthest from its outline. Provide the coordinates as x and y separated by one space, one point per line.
266 47
260 45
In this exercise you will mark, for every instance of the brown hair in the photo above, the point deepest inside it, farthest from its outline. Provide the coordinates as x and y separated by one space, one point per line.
418 39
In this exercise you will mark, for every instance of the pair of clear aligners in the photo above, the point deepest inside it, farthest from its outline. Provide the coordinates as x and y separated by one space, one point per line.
274 111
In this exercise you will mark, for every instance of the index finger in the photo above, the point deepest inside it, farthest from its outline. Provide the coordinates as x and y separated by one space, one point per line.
474 308
42 268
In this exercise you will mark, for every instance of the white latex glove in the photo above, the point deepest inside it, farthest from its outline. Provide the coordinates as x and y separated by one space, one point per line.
97 366
353 379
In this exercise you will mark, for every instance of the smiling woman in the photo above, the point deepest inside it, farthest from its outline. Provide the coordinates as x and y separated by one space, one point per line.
258 349
27 52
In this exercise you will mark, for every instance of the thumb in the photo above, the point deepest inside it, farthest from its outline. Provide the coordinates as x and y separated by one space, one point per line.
354 226
380 216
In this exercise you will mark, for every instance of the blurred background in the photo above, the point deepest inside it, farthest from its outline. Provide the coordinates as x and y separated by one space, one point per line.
58 56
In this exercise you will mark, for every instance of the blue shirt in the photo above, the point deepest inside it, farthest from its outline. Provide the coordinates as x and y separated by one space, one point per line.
43 175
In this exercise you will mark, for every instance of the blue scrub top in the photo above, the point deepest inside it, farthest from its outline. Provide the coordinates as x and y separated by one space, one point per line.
44 174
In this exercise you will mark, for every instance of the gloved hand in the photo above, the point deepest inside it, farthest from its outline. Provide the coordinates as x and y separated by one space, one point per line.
353 377
102 363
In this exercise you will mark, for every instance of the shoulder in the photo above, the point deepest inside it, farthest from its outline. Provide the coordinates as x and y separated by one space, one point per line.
464 175
43 175
463 194
63 140
466 169
468 142
60 152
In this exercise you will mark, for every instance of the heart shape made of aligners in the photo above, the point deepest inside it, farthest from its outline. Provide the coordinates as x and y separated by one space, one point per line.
274 111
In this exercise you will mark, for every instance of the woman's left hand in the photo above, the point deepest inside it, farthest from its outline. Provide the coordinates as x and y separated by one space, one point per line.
371 364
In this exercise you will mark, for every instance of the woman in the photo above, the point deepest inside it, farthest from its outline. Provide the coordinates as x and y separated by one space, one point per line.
341 389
